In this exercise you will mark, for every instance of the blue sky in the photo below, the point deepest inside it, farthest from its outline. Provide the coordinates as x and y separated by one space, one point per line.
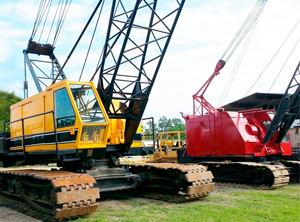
204 30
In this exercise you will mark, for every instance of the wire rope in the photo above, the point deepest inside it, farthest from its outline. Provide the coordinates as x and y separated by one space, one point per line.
36 19
237 65
53 21
272 58
87 54
283 66
50 3
44 13
63 19
235 69
40 16
249 25
244 29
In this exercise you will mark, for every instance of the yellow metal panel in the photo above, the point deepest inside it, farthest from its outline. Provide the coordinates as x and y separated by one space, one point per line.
116 134
49 106
16 128
35 124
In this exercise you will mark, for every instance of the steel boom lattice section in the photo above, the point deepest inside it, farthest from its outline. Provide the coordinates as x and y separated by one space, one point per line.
136 42
288 109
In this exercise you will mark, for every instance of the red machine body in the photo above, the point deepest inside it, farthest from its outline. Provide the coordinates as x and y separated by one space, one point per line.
233 135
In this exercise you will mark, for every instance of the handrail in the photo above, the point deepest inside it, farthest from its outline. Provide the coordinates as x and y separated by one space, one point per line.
23 132
4 131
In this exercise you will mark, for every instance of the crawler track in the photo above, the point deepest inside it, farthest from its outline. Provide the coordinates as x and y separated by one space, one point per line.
174 182
268 175
55 194
294 169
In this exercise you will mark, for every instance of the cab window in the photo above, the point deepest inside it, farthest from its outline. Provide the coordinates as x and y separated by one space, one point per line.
64 113
87 104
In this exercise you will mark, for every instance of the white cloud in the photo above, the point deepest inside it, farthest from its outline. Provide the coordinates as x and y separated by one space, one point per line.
20 11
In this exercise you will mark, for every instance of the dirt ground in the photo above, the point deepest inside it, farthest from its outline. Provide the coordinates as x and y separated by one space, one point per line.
8 215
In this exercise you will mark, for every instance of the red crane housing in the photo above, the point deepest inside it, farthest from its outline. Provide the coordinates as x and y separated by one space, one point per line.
233 135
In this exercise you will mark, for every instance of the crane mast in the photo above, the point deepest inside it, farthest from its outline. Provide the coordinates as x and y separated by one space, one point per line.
199 96
127 73
287 111
41 79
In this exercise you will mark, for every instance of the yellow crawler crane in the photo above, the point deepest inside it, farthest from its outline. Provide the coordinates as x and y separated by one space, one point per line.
67 124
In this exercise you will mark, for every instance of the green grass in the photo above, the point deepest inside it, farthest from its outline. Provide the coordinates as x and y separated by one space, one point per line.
225 204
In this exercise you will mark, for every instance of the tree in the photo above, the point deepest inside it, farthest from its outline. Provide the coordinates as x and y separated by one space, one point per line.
6 100
148 129
164 124
177 125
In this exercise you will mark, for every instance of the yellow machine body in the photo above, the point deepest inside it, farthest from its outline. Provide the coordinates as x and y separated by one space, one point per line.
79 117
116 132
138 139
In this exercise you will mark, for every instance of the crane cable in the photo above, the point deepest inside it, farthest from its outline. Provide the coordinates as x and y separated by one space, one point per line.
39 17
246 26
42 16
52 23
283 65
273 57
87 54
249 25
49 6
236 67
61 19
78 40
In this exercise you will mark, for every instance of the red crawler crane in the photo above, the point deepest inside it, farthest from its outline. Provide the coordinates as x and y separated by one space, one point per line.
213 134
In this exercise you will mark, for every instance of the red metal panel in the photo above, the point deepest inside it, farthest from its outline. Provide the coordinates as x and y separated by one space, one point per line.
231 134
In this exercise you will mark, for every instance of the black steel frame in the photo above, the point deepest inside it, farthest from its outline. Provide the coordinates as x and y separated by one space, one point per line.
288 109
40 78
128 74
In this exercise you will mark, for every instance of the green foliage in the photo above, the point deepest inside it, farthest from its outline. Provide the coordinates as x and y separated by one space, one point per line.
149 128
164 125
6 100
177 125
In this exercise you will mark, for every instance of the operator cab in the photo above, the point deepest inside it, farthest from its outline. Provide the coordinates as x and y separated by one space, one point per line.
78 108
